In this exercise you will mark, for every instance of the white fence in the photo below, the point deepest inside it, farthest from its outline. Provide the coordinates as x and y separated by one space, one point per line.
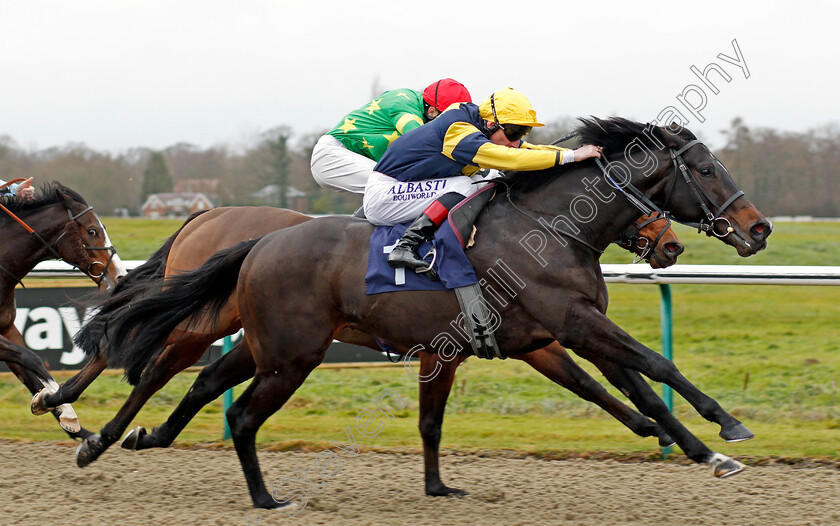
723 274
640 274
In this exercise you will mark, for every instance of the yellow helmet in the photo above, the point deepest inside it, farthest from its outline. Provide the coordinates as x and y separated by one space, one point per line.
508 106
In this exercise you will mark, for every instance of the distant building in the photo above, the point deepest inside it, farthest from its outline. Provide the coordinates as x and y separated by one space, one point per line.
270 195
208 187
174 205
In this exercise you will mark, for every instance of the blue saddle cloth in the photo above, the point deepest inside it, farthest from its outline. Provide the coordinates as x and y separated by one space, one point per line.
451 264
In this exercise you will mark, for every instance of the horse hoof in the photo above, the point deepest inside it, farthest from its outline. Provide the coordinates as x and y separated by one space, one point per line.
132 438
446 491
37 405
87 452
67 419
725 466
728 468
665 440
283 505
736 433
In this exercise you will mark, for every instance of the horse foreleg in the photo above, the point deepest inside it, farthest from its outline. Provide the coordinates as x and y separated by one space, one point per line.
36 381
555 364
433 395
24 360
648 402
590 331
156 374
70 390
644 397
224 373
282 374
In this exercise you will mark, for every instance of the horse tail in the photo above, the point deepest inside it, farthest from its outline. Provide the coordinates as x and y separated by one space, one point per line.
140 329
130 287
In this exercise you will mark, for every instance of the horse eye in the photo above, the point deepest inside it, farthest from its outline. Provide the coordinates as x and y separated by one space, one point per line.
707 172
92 232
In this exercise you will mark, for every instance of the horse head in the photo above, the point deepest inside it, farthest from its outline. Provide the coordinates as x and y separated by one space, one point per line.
652 239
680 175
84 242
62 225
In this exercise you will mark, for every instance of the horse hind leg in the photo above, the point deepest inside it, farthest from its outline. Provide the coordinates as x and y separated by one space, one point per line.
174 359
437 376
224 373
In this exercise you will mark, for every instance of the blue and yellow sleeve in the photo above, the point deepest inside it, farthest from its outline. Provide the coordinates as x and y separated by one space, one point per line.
548 147
464 143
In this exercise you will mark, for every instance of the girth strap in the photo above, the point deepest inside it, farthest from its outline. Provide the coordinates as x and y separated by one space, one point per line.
478 320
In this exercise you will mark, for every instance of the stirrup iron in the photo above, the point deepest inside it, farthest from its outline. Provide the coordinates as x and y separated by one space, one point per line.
423 270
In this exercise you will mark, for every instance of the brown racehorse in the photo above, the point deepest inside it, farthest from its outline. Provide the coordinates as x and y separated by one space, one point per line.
57 224
297 288
207 232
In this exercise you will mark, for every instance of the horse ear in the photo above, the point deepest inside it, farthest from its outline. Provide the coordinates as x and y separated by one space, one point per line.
667 137
65 198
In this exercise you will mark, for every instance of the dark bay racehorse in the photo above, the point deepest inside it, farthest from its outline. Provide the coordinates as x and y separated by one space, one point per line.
297 288
57 224
205 233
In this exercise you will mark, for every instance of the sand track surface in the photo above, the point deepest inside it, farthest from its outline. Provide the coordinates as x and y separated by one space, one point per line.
41 485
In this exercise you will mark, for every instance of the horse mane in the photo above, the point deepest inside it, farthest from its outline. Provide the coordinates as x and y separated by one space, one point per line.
613 133
49 194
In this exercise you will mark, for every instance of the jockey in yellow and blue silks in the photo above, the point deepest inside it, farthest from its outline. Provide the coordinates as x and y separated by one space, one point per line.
426 172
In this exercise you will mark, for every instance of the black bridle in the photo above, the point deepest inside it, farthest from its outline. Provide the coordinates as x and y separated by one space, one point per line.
97 278
53 247
646 206
714 219
638 199
631 238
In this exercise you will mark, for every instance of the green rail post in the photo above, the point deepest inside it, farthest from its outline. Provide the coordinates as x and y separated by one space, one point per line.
227 345
667 324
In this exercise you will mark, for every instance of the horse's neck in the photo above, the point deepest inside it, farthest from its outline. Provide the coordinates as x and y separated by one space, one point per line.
24 250
583 204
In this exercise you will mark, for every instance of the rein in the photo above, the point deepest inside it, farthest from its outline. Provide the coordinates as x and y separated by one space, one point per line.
646 206
52 248
534 219
31 231
9 183
638 199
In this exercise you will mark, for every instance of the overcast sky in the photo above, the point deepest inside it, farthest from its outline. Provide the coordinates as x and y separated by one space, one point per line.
121 74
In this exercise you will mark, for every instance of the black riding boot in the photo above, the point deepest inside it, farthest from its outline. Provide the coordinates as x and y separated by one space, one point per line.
404 254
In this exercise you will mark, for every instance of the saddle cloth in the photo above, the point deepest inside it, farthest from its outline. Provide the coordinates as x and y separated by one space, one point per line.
451 264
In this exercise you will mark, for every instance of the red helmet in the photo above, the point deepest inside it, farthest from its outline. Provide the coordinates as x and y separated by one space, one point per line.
445 92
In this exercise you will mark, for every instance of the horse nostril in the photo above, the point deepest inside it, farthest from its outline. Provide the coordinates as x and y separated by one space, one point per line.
673 249
760 230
